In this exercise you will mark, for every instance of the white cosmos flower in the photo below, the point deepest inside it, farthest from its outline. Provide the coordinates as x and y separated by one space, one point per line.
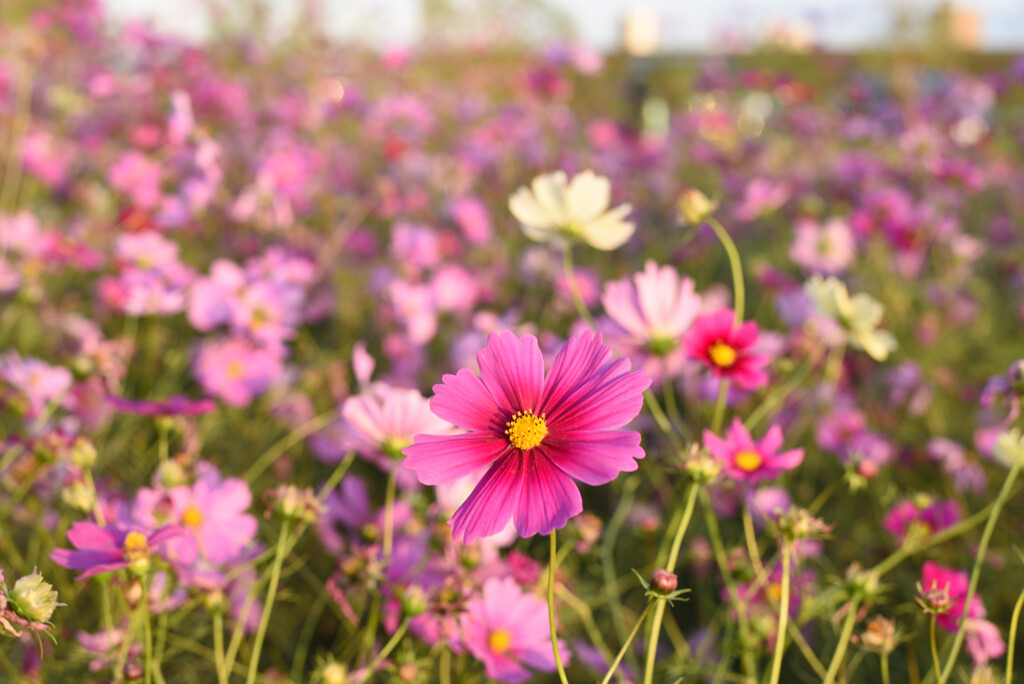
859 315
558 211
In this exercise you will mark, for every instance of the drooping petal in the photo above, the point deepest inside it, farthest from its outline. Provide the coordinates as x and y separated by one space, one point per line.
489 507
90 536
609 231
512 370
463 400
438 459
594 457
548 498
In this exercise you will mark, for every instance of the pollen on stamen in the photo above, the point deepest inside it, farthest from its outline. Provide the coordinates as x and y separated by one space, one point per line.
526 430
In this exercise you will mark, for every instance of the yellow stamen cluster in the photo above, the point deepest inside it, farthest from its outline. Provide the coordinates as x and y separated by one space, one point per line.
721 354
500 641
136 547
748 461
193 517
526 430
235 369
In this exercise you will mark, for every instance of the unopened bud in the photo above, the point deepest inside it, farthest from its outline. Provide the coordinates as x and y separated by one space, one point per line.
83 453
664 582
34 598
334 673
414 601
695 207
407 672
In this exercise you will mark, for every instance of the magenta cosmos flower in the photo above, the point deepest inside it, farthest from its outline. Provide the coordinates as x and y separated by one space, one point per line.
727 349
749 461
507 630
946 585
106 549
535 433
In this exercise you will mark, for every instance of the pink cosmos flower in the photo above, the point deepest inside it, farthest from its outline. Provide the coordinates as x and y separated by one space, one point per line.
535 433
984 641
38 381
826 248
106 549
727 349
507 630
212 510
749 461
927 517
379 423
136 177
236 371
648 313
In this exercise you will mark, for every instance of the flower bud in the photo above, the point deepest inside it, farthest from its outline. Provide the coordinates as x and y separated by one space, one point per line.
80 496
170 474
880 636
34 598
664 582
83 453
334 673
701 466
414 601
695 207
294 503
133 671
408 672
934 600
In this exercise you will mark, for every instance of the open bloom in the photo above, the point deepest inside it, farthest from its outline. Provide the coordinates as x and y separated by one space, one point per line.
648 313
561 211
727 349
105 549
984 641
507 630
535 433
859 315
748 460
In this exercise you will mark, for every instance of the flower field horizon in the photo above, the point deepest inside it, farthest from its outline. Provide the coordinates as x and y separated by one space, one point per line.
510 364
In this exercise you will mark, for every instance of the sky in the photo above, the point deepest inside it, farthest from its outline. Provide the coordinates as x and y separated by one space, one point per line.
685 24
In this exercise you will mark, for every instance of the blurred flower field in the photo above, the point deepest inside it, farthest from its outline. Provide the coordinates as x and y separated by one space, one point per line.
327 365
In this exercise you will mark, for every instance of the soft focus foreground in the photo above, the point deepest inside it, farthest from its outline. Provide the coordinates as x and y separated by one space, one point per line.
304 350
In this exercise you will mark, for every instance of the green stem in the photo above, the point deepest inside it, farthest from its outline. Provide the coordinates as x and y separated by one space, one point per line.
218 647
844 641
668 390
885 668
336 477
445 666
780 637
735 266
288 441
1012 641
751 538
936 665
779 395
577 298
632 635
651 402
979 560
723 396
389 511
673 557
552 566
147 631
161 644
611 535
715 534
386 651
275 576
900 555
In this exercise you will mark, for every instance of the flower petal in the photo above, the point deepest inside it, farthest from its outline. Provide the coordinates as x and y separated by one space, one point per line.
609 231
548 498
491 503
512 370
438 459
463 400
594 457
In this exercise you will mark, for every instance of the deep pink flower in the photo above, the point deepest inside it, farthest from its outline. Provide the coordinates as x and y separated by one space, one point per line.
106 549
749 461
536 433
507 630
931 517
727 349
983 638
648 313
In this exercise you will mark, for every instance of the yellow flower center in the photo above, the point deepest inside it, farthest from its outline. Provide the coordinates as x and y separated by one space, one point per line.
193 517
500 641
722 355
526 430
748 461
136 547
235 369
774 592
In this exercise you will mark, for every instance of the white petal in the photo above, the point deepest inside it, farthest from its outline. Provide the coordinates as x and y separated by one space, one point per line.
587 196
609 231
525 208
549 189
